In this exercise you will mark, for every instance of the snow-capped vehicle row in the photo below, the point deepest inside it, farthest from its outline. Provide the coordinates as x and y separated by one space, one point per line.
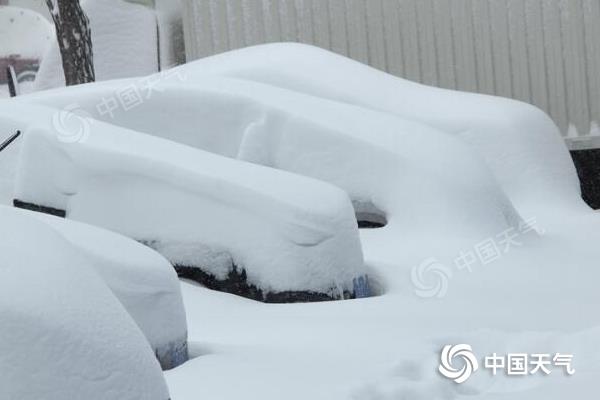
252 175
254 231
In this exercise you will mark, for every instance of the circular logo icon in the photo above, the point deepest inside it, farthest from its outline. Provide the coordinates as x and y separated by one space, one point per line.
72 124
430 278
468 361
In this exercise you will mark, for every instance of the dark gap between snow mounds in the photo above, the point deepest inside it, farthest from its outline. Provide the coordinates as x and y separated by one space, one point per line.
173 354
237 283
587 163
368 216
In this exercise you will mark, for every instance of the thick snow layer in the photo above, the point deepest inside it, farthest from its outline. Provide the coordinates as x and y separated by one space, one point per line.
24 33
63 334
124 43
143 281
538 295
375 157
288 232
516 139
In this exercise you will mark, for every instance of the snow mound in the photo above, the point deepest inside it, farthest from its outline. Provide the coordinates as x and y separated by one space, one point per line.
285 237
64 335
516 139
393 169
143 281
24 33
124 43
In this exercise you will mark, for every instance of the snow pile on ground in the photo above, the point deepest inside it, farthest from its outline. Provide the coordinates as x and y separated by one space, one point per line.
124 43
290 237
64 335
24 33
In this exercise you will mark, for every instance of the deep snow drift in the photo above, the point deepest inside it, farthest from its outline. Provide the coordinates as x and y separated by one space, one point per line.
64 335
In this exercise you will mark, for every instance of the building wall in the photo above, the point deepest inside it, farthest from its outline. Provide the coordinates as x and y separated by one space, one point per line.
546 52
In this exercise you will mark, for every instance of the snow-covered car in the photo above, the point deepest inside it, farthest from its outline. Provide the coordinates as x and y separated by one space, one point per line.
142 280
64 334
515 139
234 226
374 156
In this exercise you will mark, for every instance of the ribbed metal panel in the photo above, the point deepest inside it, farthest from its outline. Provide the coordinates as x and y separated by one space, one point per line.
546 52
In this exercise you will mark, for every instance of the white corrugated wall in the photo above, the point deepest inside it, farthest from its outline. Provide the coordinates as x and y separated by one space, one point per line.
546 52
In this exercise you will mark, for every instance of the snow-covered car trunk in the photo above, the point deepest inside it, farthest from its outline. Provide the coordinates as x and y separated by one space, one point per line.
64 335
234 226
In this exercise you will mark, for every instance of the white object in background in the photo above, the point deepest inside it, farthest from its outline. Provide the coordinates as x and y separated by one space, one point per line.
24 33
124 43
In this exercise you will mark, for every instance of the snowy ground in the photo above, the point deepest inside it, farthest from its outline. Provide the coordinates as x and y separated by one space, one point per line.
538 296
388 347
